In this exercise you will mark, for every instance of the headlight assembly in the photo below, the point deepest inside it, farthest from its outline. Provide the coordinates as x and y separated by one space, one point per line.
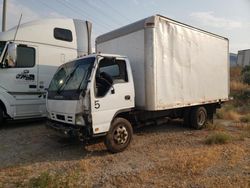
79 120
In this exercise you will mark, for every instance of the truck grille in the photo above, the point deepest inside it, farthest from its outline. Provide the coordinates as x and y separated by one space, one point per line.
60 117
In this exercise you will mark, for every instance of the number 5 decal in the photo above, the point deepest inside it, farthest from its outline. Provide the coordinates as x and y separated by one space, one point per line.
97 104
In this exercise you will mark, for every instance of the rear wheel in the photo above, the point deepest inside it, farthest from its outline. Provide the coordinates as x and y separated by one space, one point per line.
119 135
199 117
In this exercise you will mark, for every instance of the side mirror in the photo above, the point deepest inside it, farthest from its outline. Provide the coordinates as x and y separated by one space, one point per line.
12 54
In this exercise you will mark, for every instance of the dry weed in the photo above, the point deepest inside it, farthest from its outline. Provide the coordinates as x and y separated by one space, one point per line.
214 126
228 114
218 138
237 86
246 132
245 118
235 73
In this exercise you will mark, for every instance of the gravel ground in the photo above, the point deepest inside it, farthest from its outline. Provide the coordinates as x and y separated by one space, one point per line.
164 155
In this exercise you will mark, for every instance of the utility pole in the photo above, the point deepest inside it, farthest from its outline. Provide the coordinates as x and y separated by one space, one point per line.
4 15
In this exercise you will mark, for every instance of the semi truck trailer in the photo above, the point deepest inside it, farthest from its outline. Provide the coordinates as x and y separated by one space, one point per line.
30 54
164 69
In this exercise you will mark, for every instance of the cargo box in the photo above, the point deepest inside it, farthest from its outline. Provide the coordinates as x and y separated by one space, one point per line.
174 65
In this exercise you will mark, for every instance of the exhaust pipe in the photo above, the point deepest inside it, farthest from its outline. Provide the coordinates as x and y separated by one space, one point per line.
89 30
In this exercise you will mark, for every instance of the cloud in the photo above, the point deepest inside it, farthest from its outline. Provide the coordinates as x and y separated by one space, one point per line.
209 19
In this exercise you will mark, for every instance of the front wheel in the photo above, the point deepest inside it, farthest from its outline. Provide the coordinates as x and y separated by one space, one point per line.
119 135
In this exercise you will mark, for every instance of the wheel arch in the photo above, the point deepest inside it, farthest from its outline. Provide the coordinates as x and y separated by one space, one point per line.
2 105
5 107
124 113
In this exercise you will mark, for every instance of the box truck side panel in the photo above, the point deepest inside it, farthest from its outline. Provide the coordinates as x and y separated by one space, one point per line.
131 45
243 58
192 66
240 57
247 58
174 65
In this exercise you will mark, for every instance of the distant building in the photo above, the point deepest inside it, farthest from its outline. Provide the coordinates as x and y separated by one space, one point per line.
233 60
243 58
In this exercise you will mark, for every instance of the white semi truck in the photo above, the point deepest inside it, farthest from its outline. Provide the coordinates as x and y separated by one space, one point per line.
166 69
29 56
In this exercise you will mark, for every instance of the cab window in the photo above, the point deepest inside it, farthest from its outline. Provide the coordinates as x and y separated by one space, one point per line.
63 34
115 68
110 71
25 58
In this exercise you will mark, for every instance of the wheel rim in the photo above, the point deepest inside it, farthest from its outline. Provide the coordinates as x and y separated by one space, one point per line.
201 118
120 135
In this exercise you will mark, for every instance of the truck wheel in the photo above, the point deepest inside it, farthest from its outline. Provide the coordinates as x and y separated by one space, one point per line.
1 116
119 135
199 117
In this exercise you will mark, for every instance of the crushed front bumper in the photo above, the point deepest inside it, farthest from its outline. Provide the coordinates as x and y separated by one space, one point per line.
64 129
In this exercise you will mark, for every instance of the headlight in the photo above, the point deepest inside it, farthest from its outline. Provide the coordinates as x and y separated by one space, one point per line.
80 120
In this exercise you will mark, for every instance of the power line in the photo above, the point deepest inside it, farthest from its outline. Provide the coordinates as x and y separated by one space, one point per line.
96 25
100 11
117 12
81 10
76 9
46 5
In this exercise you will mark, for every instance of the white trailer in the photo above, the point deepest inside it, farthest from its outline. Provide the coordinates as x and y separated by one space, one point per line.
243 58
166 69
29 56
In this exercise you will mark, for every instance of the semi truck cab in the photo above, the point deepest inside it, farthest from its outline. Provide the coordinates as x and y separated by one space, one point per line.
87 94
29 56
19 81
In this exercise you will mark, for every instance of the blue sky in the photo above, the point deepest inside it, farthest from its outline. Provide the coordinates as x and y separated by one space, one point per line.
229 18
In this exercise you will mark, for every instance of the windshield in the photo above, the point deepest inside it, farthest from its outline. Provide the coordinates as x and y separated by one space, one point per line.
72 76
2 45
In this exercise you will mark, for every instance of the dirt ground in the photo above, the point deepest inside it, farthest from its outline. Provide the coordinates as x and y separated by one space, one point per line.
163 155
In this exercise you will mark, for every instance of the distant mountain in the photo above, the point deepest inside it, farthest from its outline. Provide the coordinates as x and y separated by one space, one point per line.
233 60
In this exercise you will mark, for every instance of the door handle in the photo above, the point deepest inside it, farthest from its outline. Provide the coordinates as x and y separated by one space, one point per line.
127 97
32 86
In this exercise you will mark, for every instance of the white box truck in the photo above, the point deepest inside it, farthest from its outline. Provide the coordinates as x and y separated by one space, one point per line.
29 56
166 69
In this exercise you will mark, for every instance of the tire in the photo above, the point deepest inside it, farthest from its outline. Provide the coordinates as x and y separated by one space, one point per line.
1 117
199 117
119 135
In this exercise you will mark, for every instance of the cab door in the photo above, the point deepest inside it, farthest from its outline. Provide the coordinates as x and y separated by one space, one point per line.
107 99
21 81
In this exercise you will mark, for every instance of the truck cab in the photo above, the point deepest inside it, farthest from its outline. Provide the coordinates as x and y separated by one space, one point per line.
29 56
86 94
19 80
